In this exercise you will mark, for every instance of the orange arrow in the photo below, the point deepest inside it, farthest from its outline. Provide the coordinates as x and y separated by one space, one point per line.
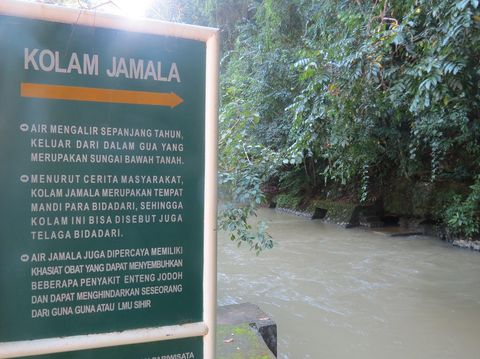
90 94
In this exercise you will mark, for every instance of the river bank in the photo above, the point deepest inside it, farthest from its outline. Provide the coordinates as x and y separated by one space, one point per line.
375 217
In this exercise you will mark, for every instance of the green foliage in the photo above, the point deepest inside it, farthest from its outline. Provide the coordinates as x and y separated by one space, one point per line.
253 128
244 167
288 200
352 94
235 220
463 215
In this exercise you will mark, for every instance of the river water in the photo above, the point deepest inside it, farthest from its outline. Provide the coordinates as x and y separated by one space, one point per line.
352 293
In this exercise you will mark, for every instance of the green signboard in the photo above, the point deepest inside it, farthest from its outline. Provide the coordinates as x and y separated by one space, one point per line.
102 152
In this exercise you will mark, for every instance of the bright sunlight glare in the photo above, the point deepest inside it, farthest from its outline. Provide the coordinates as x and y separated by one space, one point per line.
134 8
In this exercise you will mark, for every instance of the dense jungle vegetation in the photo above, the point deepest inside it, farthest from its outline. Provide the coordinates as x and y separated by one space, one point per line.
347 100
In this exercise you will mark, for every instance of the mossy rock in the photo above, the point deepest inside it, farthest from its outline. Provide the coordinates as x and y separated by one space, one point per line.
397 198
337 211
420 199
241 342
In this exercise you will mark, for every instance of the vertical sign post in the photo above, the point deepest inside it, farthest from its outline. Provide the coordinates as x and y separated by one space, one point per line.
107 185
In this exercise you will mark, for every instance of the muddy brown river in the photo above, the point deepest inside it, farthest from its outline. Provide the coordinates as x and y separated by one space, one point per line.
351 293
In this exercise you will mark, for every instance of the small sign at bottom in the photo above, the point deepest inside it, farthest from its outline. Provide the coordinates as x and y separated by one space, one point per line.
190 348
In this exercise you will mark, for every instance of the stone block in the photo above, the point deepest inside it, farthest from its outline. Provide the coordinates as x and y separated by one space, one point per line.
254 317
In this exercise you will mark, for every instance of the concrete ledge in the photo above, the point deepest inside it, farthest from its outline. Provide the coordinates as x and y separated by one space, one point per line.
240 342
232 320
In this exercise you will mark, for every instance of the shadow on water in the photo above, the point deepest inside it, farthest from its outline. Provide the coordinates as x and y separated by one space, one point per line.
351 293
